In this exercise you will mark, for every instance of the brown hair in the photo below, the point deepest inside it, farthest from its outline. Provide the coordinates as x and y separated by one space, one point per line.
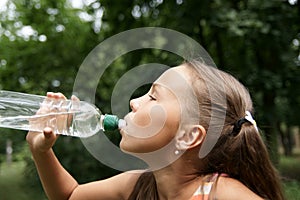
240 154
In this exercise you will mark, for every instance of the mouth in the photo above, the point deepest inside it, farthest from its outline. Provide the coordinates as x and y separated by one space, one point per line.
122 132
123 123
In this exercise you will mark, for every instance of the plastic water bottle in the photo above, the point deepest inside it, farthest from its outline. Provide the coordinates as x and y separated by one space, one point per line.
66 117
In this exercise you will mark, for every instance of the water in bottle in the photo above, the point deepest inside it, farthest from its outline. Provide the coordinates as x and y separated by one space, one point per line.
66 117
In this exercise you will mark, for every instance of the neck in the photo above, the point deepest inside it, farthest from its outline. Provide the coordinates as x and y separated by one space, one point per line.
176 181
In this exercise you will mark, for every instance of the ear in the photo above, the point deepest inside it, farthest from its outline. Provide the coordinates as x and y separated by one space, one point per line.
190 138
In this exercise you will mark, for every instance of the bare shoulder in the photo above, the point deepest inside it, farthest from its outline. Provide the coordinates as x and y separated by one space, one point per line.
116 187
128 179
231 189
125 182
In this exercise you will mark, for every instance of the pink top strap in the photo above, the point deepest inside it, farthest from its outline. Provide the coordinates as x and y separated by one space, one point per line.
203 191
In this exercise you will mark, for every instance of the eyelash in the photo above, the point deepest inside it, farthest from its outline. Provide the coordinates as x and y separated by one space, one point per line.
151 97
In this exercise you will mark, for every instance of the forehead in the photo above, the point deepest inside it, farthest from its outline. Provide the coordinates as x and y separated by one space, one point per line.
175 79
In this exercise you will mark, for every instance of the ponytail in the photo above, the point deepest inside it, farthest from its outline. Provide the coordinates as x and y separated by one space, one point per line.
256 169
244 157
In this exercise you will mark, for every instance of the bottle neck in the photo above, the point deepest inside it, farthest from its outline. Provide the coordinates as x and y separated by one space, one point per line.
109 122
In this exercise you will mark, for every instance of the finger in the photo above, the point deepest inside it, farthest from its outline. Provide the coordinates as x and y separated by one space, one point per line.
48 100
49 138
50 94
59 96
74 98
48 133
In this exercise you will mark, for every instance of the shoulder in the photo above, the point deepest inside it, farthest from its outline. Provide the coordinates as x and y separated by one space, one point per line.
229 188
125 182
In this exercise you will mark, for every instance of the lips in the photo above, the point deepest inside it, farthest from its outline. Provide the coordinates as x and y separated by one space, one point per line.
122 123
125 124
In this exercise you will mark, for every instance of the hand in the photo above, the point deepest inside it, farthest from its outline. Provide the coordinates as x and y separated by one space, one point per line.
43 142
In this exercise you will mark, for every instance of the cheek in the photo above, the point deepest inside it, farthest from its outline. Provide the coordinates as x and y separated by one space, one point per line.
151 132
148 122
141 118
173 119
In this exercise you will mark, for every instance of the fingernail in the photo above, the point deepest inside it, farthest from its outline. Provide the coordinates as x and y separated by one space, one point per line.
49 93
47 132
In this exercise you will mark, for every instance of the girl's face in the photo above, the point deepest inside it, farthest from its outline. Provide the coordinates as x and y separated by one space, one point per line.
155 117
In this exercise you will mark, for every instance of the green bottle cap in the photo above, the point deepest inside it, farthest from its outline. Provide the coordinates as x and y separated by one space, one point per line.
110 122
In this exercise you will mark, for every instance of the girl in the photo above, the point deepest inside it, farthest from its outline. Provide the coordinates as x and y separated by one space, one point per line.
195 131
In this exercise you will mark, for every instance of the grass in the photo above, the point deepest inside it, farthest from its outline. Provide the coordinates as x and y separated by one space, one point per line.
12 184
292 189
289 168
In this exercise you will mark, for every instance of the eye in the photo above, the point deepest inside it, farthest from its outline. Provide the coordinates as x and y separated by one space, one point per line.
151 97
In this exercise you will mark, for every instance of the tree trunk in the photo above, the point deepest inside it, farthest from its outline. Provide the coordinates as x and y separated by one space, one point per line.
286 139
271 129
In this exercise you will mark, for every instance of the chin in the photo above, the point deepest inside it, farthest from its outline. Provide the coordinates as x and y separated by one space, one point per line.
127 148
123 147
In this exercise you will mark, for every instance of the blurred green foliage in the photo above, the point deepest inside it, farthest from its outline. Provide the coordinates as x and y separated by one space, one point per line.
44 42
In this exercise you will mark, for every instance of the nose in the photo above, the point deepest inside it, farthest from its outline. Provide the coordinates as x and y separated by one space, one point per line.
134 104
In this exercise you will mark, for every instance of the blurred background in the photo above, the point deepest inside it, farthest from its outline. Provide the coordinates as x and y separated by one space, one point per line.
44 42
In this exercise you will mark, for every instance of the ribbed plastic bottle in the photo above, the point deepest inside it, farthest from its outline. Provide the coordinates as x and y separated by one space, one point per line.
66 117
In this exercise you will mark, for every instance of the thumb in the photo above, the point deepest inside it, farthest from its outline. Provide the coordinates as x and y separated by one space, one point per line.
49 138
48 133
